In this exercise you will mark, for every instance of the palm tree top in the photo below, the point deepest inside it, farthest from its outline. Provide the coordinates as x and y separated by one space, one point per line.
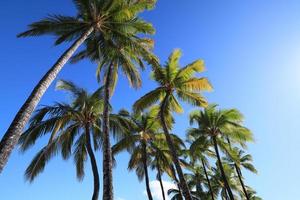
175 81
65 123
105 16
221 122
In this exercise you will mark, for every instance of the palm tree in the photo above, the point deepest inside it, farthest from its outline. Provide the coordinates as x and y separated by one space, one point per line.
104 19
218 183
199 150
175 82
241 160
196 179
124 53
146 145
161 163
176 194
162 159
143 130
73 128
252 194
217 124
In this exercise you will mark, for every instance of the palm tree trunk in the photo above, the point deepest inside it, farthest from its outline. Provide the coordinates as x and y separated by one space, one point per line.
185 190
146 173
93 163
160 182
176 180
238 171
226 194
107 154
222 169
208 181
13 133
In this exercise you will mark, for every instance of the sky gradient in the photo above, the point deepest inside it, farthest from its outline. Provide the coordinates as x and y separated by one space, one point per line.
251 50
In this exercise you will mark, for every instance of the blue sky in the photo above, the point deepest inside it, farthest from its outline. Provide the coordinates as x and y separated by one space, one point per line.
251 50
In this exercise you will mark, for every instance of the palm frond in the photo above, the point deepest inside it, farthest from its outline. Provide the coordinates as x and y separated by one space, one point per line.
39 162
148 99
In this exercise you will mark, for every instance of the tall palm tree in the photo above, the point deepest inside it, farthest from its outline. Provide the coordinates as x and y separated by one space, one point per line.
73 128
218 183
125 53
241 160
177 195
145 144
199 150
104 19
142 131
160 163
162 159
175 82
196 179
218 125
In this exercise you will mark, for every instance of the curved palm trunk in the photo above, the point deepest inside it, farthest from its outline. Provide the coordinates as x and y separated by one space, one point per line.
183 185
239 173
146 173
107 154
176 180
160 182
12 135
208 181
93 163
222 169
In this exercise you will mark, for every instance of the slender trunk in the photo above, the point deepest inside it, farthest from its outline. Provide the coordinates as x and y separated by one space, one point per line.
222 169
226 194
208 181
93 163
176 180
238 171
160 182
107 154
185 190
13 133
146 172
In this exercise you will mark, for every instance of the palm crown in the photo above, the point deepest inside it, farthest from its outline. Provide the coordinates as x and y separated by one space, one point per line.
175 82
226 123
104 21
107 18
66 124
219 127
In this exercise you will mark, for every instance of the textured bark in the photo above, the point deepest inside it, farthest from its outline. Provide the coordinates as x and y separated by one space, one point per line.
222 170
239 173
185 190
13 133
107 154
208 181
146 173
160 182
93 163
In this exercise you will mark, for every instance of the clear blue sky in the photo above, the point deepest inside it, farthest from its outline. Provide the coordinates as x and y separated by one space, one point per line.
251 49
